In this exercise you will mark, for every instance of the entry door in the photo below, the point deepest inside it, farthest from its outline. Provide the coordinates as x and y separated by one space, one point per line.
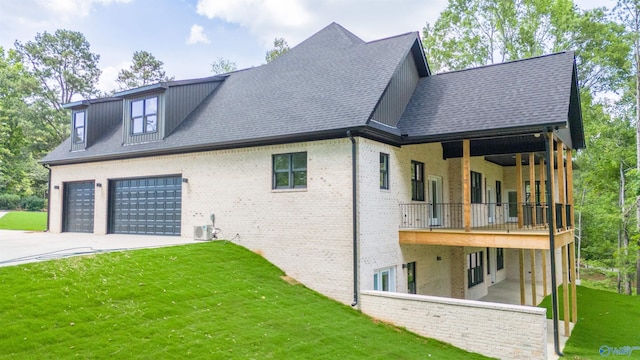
435 200
491 200
513 206
77 213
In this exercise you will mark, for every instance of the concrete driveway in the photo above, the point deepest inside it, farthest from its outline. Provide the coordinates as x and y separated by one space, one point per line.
19 247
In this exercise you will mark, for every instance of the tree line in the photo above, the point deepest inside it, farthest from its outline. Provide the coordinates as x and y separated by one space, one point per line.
38 76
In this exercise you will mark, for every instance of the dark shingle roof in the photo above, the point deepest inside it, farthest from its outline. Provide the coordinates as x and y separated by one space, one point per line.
333 80
520 94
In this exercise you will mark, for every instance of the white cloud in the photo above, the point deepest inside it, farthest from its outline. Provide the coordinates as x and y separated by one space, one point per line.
265 18
107 82
69 8
197 35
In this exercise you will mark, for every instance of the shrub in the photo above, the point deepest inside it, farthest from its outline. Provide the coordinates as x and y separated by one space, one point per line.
32 203
9 201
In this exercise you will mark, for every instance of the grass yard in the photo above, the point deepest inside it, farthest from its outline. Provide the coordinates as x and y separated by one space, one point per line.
210 300
24 220
605 318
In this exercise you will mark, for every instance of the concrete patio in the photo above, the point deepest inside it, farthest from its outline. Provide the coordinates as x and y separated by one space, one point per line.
508 292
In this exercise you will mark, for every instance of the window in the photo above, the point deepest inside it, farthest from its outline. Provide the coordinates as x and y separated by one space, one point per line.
78 127
475 273
500 258
411 277
290 171
476 187
417 181
384 171
488 261
498 193
144 116
384 279
527 191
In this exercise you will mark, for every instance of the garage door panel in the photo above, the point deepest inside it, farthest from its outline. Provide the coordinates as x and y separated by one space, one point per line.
78 206
146 206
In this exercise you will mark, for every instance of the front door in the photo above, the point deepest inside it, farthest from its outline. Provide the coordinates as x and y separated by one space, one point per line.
491 203
435 200
513 206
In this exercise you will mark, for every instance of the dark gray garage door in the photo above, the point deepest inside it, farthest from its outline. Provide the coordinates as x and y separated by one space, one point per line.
145 206
78 207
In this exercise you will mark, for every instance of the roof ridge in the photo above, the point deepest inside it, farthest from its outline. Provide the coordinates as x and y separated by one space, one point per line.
507 62
394 36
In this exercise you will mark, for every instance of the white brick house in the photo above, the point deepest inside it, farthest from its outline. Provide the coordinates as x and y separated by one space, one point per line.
444 197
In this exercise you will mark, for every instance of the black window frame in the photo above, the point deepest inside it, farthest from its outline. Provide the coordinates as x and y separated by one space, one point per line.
411 278
476 187
384 171
475 269
498 193
76 139
290 171
145 116
417 181
499 259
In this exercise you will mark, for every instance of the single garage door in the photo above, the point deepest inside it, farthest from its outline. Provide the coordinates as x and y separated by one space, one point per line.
149 206
78 206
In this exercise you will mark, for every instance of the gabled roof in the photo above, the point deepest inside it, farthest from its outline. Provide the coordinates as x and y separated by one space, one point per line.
333 81
327 84
508 98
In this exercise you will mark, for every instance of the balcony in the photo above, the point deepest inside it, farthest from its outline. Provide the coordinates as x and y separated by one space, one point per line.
510 225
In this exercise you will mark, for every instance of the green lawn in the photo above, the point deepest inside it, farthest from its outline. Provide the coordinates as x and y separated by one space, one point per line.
604 319
209 301
24 220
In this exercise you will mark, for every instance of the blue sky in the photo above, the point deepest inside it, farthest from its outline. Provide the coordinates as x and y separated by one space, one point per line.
188 35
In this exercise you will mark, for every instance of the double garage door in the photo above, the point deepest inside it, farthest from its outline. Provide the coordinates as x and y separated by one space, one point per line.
136 206
145 206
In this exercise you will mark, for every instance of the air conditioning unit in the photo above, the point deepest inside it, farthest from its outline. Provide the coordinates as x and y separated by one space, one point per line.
204 232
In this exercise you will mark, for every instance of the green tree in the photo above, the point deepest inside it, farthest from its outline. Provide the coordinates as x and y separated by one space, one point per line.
145 69
223 66
280 46
17 87
480 32
65 67
628 12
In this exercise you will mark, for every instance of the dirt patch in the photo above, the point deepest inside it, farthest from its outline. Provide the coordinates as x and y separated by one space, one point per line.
290 280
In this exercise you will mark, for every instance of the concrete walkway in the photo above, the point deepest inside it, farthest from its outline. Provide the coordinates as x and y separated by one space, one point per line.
19 247
508 292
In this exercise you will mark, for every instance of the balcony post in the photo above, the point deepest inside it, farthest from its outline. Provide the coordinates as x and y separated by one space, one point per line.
466 183
565 290
543 198
532 188
544 272
520 183
533 278
570 186
561 183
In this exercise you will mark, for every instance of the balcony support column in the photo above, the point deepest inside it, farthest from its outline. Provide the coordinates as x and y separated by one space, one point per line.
561 182
565 290
544 272
532 188
521 261
574 294
466 183
520 185
543 198
570 186
534 297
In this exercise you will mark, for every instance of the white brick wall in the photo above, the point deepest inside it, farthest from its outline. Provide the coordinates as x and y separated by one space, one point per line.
307 233
497 330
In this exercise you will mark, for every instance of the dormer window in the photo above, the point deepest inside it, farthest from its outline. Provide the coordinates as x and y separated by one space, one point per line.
144 116
78 127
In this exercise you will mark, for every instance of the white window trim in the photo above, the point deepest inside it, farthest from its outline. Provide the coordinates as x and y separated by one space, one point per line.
377 278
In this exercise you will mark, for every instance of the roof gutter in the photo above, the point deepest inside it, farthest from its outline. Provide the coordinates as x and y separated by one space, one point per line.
551 222
354 216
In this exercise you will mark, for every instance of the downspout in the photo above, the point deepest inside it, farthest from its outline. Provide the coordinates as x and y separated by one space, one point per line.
552 241
354 215
46 166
